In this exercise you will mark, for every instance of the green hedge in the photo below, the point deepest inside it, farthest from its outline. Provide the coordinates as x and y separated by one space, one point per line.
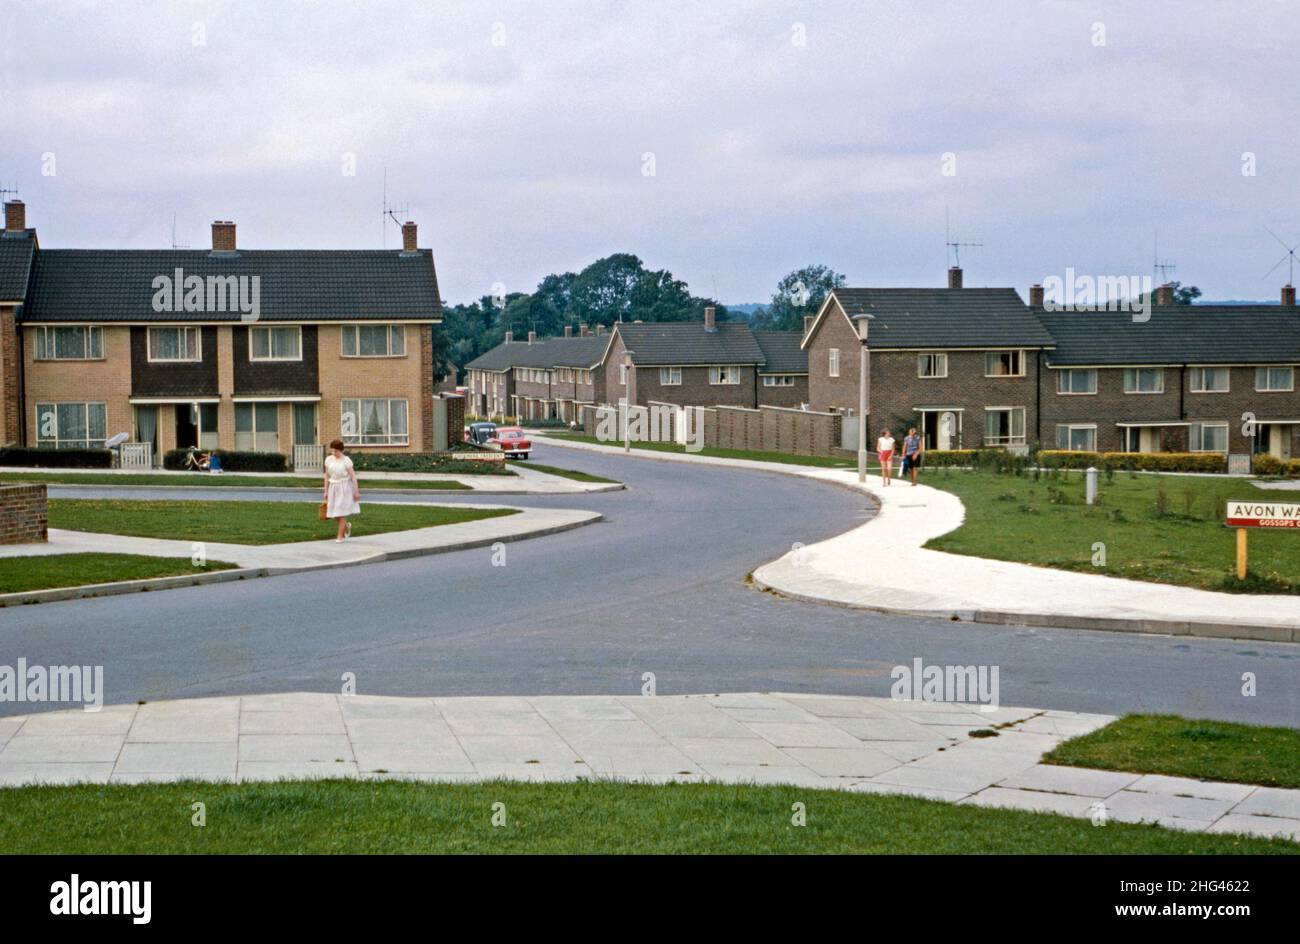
440 462
57 458
1139 461
1266 464
232 460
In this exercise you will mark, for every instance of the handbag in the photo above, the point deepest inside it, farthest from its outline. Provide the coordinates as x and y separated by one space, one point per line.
322 511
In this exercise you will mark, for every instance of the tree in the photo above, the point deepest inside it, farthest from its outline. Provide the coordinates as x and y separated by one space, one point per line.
798 294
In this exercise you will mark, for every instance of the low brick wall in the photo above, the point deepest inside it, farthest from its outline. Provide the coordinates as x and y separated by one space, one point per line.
24 514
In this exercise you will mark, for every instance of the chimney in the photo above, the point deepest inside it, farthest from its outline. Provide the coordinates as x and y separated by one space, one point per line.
15 216
954 277
223 236
1165 294
600 329
1035 296
408 237
709 318
510 336
583 330
1288 296
568 331
807 324
532 336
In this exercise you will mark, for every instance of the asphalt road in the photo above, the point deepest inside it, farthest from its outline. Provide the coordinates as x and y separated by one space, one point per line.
658 587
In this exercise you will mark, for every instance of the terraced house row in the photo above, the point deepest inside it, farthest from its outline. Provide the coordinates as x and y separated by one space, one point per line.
224 348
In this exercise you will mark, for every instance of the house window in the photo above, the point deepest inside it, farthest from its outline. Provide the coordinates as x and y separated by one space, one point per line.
724 375
1004 364
1144 380
71 425
1004 426
275 343
175 344
374 340
1079 438
257 427
778 380
1274 379
932 365
1208 380
833 364
207 422
1076 381
670 376
373 422
1209 437
80 343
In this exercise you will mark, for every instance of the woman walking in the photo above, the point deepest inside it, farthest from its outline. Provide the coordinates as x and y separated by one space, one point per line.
885 449
913 449
342 494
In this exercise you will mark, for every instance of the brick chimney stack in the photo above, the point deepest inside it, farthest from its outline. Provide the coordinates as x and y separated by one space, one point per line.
1165 294
1288 296
710 318
223 236
15 216
583 330
568 331
600 329
510 336
532 336
1036 296
408 237
954 277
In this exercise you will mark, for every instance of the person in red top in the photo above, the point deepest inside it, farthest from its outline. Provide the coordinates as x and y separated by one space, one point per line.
885 449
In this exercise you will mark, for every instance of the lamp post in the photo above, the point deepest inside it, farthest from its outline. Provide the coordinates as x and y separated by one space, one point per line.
629 397
863 324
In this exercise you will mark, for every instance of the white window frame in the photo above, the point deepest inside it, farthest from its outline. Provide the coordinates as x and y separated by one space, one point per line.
724 375
1196 437
389 438
1265 371
940 363
833 362
393 331
1136 373
1069 429
1197 374
185 331
252 408
61 442
778 380
670 376
1018 355
1062 387
47 346
270 342
1011 439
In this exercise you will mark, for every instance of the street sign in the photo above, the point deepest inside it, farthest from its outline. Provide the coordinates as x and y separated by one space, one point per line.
1263 514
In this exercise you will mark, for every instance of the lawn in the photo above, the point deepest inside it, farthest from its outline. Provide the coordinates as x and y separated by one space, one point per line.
44 572
1179 747
245 522
782 457
570 474
203 480
1162 528
394 816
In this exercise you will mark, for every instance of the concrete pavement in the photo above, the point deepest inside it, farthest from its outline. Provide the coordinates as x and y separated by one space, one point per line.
870 745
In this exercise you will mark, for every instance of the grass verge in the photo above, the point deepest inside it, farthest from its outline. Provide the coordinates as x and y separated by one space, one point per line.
1181 747
48 571
357 817
245 522
203 480
570 474
782 457
1165 529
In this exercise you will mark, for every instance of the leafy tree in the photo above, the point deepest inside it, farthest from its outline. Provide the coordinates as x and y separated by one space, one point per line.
799 293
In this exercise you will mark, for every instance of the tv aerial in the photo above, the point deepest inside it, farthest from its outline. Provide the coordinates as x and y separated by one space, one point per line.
1289 258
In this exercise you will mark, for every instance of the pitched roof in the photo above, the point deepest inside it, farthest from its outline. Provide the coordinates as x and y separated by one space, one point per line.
295 284
1177 334
581 352
15 265
945 317
686 342
782 352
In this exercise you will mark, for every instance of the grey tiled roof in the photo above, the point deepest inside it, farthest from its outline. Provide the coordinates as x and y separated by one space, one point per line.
547 352
782 352
15 265
296 285
686 342
945 317
1178 334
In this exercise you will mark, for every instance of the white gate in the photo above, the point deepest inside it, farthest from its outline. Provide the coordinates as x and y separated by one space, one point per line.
309 458
136 455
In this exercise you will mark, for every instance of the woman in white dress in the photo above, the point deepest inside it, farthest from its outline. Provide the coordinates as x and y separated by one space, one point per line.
342 494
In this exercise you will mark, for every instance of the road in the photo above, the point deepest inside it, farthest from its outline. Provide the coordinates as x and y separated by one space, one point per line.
659 587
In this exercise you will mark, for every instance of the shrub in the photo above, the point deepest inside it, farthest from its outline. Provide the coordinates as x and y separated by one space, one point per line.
232 460
1265 464
57 458
493 463
1139 461
1068 458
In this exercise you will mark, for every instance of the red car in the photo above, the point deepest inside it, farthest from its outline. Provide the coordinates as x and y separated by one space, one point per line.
512 441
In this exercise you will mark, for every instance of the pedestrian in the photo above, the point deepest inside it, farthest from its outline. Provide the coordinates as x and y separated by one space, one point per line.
342 494
913 449
885 449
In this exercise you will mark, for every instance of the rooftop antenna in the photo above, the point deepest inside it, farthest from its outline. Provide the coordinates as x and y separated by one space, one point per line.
391 212
954 247
6 192
175 244
1289 258
1161 268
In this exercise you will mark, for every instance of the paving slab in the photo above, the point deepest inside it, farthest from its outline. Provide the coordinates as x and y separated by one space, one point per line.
1080 781
1033 800
1267 826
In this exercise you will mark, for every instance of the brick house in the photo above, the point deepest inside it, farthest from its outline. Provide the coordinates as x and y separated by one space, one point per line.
783 376
540 379
224 348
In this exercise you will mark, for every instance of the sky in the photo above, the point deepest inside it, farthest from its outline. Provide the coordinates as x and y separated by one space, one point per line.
727 142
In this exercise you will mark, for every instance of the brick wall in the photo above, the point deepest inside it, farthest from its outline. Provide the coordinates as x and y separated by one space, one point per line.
24 514
455 419
10 374
784 396
765 429
426 385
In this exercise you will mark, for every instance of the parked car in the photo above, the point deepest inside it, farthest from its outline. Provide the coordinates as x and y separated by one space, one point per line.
512 441
480 433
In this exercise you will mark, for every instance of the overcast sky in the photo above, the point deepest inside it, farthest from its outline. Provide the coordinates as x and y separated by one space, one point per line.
781 134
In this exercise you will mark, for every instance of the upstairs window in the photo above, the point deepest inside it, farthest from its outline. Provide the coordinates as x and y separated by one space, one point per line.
1076 381
778 380
670 376
275 343
1004 364
374 340
724 375
1274 379
1144 380
1208 380
833 362
78 343
175 344
932 365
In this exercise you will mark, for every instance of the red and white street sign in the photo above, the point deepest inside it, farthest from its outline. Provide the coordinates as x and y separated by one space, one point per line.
1263 514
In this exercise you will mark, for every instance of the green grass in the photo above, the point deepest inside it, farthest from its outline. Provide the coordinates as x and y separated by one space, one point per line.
1179 747
44 572
245 522
785 458
570 474
356 817
204 480
1167 529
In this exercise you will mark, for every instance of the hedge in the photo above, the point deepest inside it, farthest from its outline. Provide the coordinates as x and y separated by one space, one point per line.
1139 461
1266 464
57 458
232 460
440 462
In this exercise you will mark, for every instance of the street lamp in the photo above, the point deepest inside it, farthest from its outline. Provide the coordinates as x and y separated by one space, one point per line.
629 397
863 324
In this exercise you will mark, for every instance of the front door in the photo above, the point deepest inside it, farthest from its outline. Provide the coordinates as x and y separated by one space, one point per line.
187 425
304 424
1279 441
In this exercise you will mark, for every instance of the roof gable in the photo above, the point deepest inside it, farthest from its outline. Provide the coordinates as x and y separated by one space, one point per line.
16 251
